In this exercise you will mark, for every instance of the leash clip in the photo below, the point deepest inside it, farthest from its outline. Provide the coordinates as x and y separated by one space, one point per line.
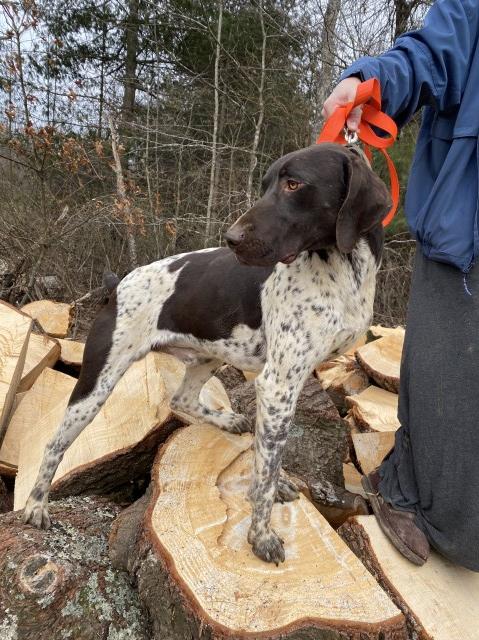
351 137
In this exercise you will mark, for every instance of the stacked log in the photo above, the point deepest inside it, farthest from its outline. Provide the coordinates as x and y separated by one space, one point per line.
184 541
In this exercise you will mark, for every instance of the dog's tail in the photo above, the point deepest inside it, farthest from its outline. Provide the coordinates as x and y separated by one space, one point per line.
110 280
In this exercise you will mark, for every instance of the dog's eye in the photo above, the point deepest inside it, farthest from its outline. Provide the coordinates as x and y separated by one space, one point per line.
292 185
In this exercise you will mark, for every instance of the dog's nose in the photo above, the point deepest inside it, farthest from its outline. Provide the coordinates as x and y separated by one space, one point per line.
234 236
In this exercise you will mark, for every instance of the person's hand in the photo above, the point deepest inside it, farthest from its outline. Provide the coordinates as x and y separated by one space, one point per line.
344 92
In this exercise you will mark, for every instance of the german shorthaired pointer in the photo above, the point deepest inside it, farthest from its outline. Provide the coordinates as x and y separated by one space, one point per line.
296 289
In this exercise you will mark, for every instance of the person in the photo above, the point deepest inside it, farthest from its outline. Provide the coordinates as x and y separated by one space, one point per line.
426 491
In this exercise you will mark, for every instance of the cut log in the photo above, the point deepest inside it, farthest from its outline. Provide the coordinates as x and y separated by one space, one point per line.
352 479
375 409
119 445
72 352
316 447
60 584
15 328
439 599
359 343
342 377
381 359
198 576
42 352
372 448
49 395
378 331
53 317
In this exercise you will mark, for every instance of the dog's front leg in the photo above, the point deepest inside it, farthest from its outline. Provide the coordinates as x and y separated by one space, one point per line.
276 402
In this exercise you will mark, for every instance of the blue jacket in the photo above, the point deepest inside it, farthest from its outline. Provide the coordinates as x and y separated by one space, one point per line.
437 67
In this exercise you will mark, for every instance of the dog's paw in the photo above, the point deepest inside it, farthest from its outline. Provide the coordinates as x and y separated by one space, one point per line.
36 513
237 423
267 546
287 491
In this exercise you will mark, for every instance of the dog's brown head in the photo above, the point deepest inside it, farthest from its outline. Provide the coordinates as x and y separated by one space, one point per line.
313 198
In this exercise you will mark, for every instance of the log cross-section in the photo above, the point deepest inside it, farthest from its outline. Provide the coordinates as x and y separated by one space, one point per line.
199 578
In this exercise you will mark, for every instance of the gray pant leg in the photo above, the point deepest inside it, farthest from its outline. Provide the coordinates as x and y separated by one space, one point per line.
433 469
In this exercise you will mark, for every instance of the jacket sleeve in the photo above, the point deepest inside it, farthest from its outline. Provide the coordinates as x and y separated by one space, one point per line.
428 66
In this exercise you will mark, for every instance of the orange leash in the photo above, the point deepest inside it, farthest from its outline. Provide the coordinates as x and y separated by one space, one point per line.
368 94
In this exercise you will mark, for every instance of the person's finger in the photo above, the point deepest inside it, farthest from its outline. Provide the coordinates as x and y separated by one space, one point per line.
354 119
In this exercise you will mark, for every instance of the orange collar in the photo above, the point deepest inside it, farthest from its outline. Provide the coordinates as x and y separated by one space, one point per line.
368 94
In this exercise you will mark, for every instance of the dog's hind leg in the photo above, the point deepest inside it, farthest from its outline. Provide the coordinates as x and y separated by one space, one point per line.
187 398
105 361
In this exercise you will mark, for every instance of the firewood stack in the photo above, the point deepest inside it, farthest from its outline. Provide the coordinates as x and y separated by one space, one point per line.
170 494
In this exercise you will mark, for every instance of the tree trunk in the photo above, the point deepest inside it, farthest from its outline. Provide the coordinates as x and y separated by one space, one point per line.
403 10
129 83
214 150
186 545
259 120
60 584
123 204
327 54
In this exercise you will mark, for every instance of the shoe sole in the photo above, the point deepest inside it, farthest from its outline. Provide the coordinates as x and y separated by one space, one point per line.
387 529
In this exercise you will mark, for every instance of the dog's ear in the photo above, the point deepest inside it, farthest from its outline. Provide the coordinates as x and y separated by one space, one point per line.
366 203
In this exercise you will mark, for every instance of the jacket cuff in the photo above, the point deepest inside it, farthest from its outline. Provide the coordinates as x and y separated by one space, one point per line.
364 69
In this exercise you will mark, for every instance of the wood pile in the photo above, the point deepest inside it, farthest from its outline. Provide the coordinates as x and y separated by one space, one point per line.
170 494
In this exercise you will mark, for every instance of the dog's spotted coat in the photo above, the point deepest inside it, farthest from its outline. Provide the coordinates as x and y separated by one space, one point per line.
280 318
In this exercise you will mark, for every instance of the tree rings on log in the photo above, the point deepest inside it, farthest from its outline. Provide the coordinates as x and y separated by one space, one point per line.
198 576
381 359
375 409
439 599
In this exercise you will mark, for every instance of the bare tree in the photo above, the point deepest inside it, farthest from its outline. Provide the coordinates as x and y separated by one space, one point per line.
327 54
214 144
259 119
123 203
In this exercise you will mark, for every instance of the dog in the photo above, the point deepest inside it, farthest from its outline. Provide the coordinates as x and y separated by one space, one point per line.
295 287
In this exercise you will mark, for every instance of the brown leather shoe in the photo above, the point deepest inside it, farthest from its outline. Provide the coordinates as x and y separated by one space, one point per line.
397 525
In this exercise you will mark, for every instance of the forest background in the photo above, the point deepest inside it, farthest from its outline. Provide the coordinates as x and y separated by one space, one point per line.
132 130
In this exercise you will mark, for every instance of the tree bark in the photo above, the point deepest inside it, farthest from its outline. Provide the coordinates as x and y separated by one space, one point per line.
129 82
60 583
